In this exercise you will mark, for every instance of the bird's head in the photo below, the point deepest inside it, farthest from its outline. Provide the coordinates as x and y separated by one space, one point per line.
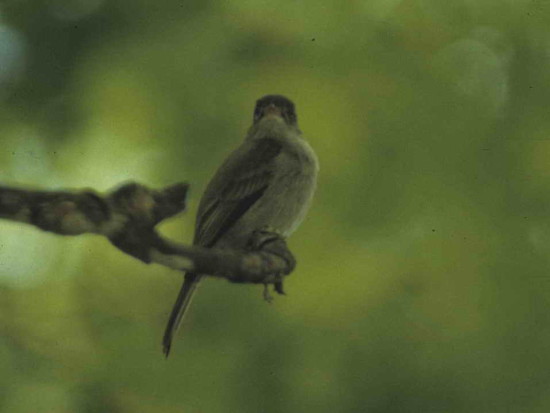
273 107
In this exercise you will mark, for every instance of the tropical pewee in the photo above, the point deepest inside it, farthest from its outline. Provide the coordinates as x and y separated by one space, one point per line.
267 183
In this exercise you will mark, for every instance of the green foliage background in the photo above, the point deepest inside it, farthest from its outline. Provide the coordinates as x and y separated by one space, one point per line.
423 282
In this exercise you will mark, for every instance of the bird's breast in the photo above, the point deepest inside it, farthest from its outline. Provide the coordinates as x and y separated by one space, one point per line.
286 200
289 195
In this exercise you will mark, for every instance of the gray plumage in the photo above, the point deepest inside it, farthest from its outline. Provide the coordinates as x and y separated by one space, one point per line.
266 183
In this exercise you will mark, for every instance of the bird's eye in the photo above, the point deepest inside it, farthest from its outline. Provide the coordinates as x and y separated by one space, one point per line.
257 113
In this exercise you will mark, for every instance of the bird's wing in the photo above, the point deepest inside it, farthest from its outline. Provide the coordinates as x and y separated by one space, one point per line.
237 185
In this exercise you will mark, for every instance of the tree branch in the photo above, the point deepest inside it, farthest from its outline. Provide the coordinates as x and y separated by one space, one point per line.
127 216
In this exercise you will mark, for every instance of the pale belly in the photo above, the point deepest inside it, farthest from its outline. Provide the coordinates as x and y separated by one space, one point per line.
285 202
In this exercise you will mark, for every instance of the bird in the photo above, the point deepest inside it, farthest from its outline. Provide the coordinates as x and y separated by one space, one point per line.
267 183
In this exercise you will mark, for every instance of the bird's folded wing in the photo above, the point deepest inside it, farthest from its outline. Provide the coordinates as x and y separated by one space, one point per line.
238 184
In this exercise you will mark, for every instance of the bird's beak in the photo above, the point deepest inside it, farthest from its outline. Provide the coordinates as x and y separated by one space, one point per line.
272 110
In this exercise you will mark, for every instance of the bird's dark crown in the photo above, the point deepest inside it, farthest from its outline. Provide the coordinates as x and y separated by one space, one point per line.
281 102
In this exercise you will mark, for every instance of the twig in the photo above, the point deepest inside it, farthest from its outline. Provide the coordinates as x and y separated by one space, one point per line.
127 216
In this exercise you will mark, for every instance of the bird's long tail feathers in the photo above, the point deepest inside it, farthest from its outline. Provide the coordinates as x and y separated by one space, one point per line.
180 307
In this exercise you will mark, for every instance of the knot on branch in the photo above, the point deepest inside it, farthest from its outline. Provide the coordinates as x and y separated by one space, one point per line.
268 260
142 209
146 206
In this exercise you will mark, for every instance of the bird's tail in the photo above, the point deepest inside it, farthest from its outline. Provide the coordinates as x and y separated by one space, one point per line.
180 307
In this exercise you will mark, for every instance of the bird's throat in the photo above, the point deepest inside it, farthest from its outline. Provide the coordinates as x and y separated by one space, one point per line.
273 127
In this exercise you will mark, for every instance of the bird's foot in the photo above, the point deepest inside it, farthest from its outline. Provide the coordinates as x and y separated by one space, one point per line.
277 286
275 244
267 295
272 242
261 238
